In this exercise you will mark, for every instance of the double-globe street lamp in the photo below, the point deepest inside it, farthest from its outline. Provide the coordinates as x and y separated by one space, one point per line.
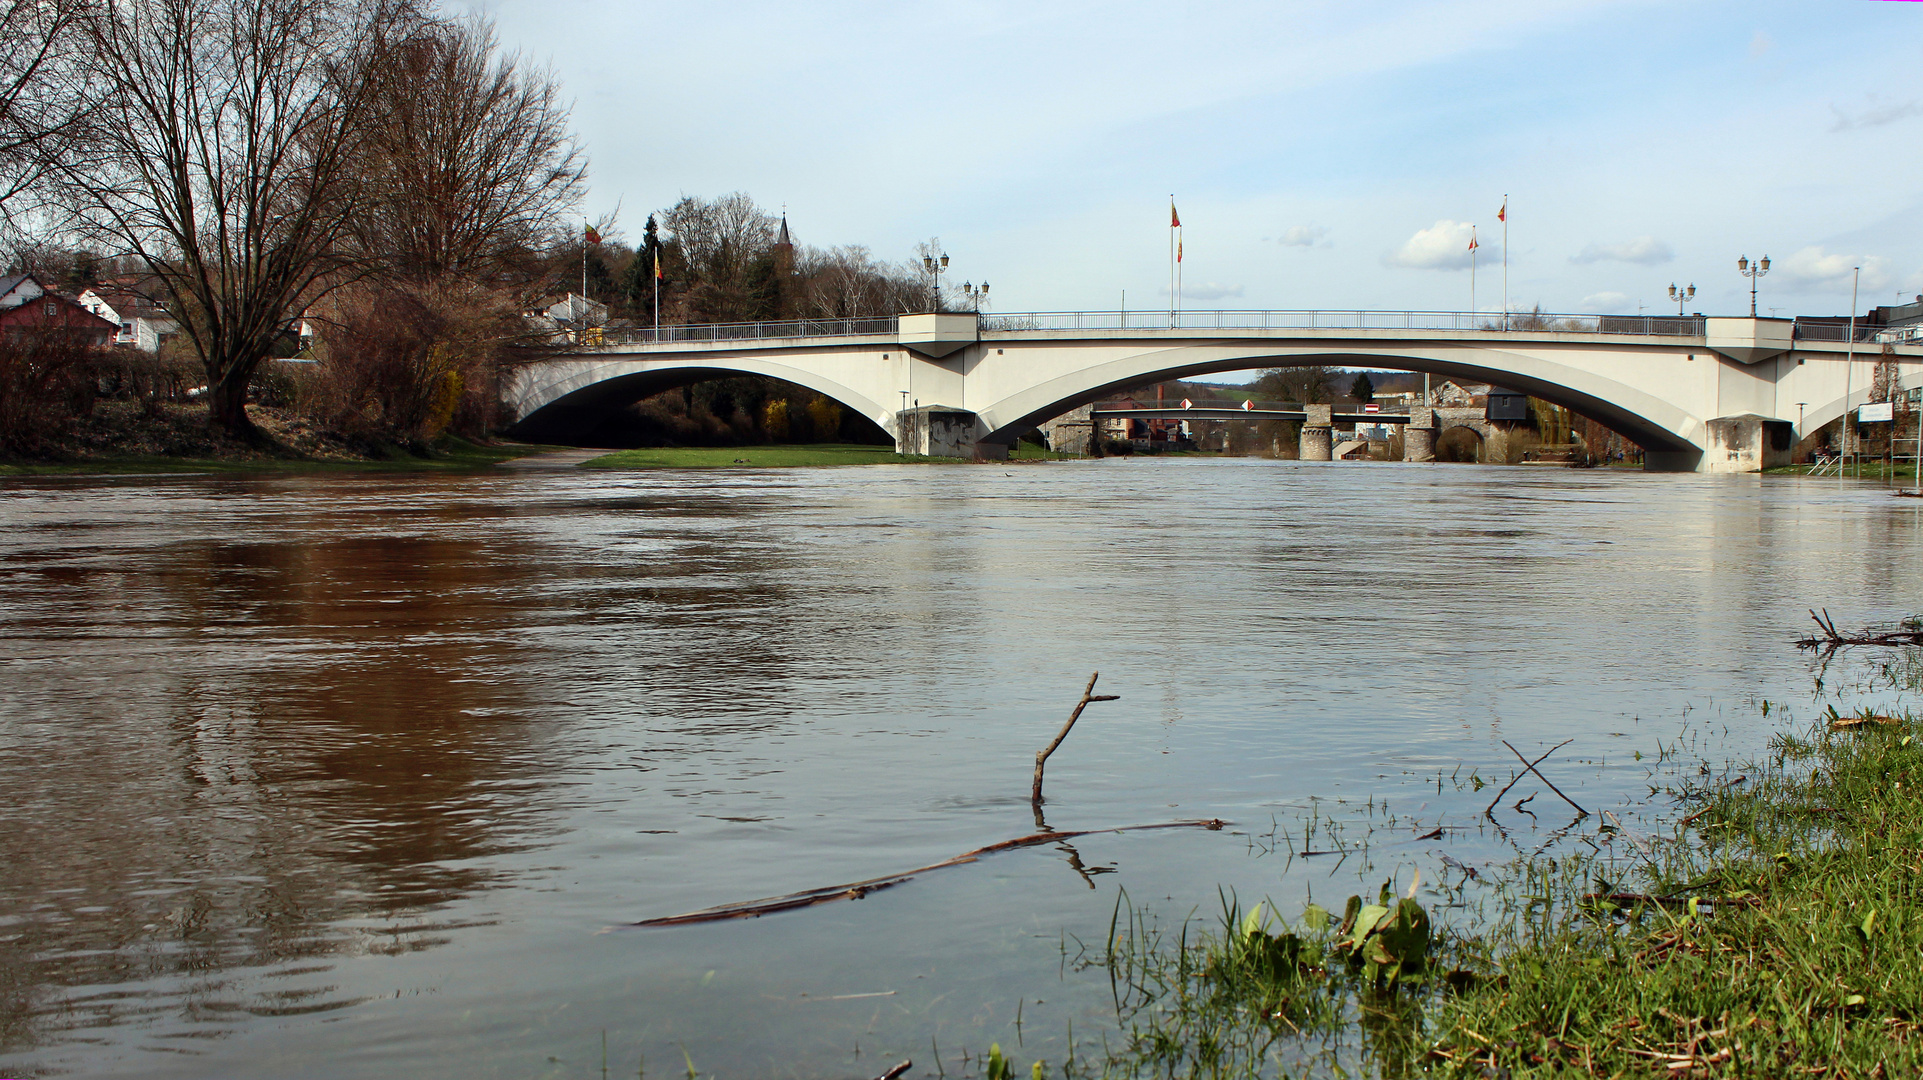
1752 273
935 265
976 296
1681 296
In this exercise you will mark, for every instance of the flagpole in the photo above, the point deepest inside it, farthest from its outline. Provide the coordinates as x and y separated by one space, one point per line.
584 260
1505 260
1472 277
1171 260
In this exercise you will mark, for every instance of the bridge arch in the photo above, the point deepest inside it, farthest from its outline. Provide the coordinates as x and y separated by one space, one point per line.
1666 432
556 397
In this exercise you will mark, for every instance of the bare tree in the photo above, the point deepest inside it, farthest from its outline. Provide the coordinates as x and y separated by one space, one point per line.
725 249
1307 384
467 171
223 155
46 89
469 158
848 282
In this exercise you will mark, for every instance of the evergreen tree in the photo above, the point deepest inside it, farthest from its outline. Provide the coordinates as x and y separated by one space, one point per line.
1363 388
637 285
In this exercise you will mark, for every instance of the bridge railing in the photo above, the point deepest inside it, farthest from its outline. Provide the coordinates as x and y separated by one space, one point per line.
1830 330
746 331
887 326
1531 322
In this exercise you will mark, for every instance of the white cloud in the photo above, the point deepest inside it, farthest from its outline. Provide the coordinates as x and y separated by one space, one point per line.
1607 303
1813 268
1304 236
1875 114
1443 246
1206 291
1643 251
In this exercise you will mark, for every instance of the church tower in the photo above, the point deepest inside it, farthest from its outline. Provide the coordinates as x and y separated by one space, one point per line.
784 260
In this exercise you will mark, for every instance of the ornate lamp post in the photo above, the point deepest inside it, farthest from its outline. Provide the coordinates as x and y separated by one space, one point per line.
936 265
1752 273
1681 296
976 296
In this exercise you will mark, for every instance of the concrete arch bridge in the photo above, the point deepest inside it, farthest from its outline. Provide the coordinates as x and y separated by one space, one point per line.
1698 394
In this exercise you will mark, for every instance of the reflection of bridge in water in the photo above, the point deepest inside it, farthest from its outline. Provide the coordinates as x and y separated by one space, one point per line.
1713 394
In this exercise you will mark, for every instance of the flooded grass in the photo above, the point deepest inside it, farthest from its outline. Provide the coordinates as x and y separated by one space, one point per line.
1770 928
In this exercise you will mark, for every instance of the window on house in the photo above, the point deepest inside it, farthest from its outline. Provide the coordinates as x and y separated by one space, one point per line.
52 309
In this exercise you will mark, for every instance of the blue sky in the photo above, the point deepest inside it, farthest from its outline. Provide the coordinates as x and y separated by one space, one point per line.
1323 155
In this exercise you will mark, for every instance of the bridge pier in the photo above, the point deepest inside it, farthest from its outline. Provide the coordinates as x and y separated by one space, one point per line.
1419 435
1318 441
938 431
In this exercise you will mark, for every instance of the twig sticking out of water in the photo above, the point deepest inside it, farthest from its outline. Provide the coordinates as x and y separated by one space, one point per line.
1530 767
891 1074
1833 639
1088 695
855 890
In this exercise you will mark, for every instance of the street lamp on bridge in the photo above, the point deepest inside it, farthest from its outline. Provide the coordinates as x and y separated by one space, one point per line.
1752 273
976 296
1681 296
936 265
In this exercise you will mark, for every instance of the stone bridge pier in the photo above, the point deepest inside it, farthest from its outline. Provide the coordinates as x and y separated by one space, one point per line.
1419 435
1318 433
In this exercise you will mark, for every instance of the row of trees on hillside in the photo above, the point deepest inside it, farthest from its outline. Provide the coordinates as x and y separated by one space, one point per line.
723 259
370 164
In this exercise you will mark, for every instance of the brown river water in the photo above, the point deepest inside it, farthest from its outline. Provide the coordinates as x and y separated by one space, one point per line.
359 776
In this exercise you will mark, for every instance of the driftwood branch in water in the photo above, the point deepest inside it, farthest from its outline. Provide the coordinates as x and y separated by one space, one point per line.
1088 695
1528 767
891 1074
1531 765
855 890
1834 639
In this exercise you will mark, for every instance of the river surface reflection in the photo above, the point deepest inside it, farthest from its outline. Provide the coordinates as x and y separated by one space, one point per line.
349 776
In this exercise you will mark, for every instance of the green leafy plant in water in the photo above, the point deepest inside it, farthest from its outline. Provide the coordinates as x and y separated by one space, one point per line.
997 1064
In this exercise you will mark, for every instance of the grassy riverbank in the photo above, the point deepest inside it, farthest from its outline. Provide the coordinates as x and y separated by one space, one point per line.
449 454
755 457
1865 470
1774 930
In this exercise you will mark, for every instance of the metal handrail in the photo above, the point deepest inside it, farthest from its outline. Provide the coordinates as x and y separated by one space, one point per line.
1152 321
745 331
1532 322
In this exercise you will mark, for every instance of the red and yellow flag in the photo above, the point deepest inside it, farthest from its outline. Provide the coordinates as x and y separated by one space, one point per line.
657 264
1503 214
593 237
1472 239
1178 251
1174 219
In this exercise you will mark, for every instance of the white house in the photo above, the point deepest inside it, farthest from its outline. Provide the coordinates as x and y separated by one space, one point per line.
142 323
17 289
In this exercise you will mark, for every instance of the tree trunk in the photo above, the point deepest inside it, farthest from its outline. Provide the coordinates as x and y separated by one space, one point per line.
227 406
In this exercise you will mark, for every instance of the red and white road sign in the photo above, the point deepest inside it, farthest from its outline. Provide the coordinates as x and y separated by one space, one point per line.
1371 407
1187 404
1247 405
